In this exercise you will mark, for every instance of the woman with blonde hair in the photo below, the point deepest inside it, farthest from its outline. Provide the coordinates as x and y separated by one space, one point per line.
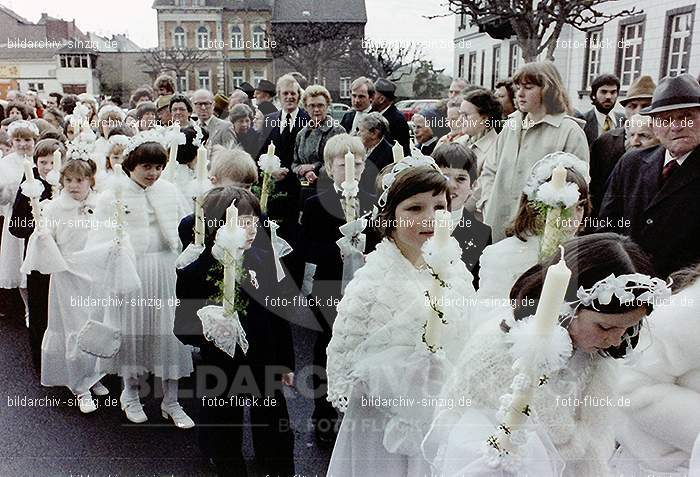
542 124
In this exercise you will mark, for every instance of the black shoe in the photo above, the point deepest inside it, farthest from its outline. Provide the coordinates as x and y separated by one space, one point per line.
325 439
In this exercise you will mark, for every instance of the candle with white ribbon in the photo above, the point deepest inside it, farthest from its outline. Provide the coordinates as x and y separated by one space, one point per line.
201 163
552 297
230 268
397 151
271 149
57 160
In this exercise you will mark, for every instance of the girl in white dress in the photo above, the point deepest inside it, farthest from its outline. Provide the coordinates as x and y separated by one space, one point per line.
23 135
376 351
572 407
66 221
504 261
111 154
661 422
146 316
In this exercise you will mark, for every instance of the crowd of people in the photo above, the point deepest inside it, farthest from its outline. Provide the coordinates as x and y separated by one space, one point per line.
86 181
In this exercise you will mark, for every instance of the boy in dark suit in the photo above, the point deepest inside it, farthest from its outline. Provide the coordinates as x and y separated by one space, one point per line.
459 164
323 215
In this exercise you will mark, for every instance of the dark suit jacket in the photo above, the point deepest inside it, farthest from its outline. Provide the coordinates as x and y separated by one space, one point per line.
398 129
605 152
591 127
663 218
22 222
321 219
347 120
267 331
427 149
266 107
380 157
473 236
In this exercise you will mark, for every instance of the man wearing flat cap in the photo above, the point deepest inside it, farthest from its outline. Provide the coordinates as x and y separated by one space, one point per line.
383 103
609 147
652 194
264 93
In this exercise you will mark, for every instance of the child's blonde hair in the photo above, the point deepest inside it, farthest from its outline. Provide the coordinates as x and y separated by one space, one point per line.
338 146
78 167
233 164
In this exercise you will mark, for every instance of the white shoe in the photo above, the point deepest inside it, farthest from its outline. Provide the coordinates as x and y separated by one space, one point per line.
86 404
133 409
100 389
177 414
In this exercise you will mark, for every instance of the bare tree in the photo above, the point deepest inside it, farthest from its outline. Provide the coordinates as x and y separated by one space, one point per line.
313 47
176 60
537 24
392 60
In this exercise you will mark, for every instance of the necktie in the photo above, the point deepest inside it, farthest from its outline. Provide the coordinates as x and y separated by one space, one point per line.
608 124
287 131
203 126
668 170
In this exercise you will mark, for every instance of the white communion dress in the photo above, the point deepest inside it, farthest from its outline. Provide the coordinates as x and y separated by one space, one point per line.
571 430
380 373
11 248
64 229
146 315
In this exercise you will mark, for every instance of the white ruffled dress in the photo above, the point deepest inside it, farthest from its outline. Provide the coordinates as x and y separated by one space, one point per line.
571 423
11 248
379 370
146 315
51 249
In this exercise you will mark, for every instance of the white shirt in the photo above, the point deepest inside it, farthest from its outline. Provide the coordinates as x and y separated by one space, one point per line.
283 118
384 110
601 120
356 120
668 158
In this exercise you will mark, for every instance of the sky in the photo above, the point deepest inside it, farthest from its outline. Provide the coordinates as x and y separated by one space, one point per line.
387 20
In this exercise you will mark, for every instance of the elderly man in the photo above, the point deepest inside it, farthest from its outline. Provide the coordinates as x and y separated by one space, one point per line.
203 101
652 194
238 97
456 87
362 92
609 147
640 133
372 130
425 140
383 102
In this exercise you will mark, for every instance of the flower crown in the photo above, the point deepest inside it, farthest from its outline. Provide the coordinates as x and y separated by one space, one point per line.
417 160
118 139
166 137
656 290
82 146
539 188
111 108
22 124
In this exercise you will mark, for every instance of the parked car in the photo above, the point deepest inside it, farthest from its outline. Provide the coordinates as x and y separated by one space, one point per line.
409 107
337 110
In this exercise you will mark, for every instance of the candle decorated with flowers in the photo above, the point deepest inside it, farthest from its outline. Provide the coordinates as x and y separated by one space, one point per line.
56 167
201 171
552 297
229 300
350 187
268 163
552 234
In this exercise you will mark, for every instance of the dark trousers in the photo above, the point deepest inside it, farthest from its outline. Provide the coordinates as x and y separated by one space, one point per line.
324 417
221 426
38 298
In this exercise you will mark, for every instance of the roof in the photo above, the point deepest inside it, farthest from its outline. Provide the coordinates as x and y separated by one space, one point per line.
225 4
319 11
11 13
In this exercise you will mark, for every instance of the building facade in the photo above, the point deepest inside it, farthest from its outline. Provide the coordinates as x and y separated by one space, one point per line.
656 42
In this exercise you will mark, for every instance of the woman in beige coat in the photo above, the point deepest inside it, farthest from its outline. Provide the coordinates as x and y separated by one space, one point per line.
542 125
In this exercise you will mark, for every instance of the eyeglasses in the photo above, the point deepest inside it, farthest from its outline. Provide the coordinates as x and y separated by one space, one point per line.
203 104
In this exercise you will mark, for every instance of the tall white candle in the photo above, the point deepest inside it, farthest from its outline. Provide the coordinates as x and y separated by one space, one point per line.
559 177
28 173
57 160
442 227
349 167
397 151
201 163
552 297
172 159
271 149
232 216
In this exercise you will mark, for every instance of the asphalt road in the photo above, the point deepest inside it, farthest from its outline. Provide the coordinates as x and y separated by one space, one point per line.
51 438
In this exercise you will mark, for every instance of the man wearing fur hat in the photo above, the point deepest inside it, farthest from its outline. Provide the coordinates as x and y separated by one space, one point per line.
652 194
609 147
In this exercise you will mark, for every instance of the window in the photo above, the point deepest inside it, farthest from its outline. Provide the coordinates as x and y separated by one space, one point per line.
460 67
483 62
629 58
202 38
204 82
591 64
236 78
496 66
183 83
257 76
462 21
75 61
322 81
345 87
258 37
179 38
40 87
236 37
513 59
471 74
676 52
